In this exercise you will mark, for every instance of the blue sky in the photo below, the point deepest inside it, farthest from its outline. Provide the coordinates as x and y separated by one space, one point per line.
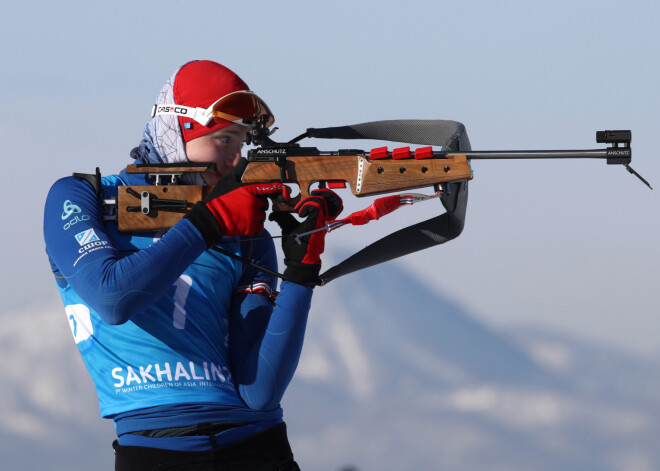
569 245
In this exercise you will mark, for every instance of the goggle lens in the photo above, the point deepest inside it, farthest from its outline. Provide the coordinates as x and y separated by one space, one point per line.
239 106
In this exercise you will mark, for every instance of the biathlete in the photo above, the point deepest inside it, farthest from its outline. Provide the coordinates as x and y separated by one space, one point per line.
190 350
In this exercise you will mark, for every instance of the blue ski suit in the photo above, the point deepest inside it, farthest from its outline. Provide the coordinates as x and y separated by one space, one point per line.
173 334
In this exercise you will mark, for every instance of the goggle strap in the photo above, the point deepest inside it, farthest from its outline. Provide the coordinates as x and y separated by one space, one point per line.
201 115
205 115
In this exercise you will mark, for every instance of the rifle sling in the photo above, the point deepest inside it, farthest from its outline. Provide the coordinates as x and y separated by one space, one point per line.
426 234
451 136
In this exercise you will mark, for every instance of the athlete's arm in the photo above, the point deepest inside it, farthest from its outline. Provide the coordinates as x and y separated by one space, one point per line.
265 341
116 288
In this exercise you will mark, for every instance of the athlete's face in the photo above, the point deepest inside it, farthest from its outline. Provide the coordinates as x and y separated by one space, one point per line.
221 147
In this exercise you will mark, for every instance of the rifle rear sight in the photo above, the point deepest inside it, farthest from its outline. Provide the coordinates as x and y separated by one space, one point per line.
259 135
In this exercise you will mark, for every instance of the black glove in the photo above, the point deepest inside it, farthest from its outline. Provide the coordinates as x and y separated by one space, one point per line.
302 255
234 208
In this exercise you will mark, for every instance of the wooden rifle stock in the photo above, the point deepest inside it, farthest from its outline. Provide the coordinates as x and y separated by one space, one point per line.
365 176
163 204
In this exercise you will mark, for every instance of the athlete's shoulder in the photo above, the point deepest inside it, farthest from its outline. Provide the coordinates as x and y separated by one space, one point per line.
68 195
72 200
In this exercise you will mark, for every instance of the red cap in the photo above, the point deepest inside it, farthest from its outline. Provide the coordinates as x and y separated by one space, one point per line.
200 84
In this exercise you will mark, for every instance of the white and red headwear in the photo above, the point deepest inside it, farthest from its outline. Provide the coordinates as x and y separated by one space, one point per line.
200 97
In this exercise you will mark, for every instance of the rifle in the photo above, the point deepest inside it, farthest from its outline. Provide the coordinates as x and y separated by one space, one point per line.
379 171
160 206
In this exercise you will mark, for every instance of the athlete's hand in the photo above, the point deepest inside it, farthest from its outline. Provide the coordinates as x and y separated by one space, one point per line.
302 255
234 208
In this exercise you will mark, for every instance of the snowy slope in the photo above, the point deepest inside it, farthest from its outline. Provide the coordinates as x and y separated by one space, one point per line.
393 376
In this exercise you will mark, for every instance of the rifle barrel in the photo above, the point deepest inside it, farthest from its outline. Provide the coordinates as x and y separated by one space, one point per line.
537 154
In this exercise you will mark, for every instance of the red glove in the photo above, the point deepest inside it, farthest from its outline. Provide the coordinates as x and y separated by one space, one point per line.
302 255
234 208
